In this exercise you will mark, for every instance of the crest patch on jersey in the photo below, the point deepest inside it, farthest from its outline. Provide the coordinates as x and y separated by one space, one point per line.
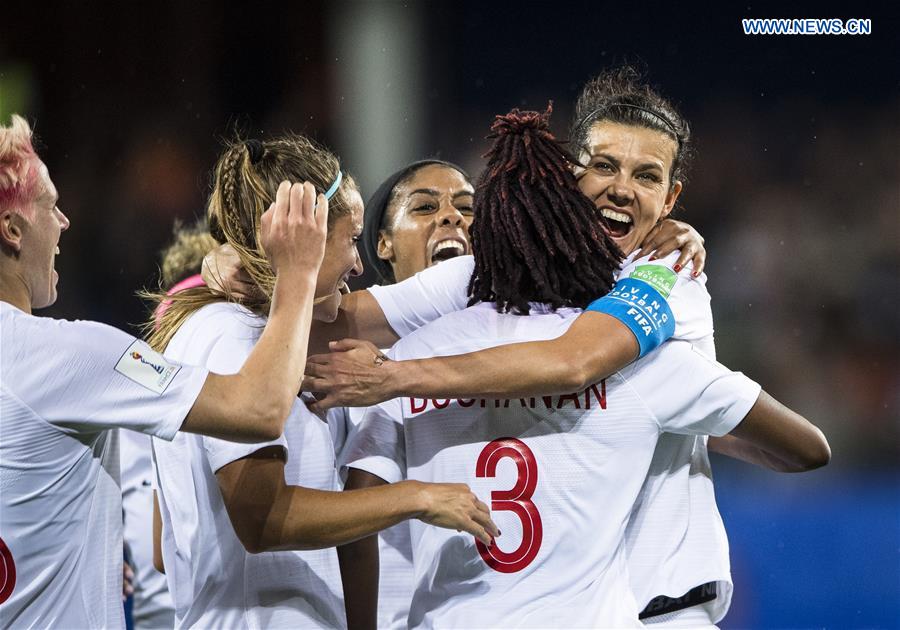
147 367
659 277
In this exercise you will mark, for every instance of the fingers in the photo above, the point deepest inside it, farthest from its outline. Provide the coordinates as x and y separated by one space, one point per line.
345 345
669 245
323 405
687 253
282 203
484 520
321 213
274 219
699 263
323 359
479 532
650 241
265 226
301 195
316 376
327 402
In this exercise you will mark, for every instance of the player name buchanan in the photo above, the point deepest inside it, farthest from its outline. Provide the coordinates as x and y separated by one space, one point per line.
577 400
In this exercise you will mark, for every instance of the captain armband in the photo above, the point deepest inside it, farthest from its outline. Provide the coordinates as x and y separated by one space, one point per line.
642 308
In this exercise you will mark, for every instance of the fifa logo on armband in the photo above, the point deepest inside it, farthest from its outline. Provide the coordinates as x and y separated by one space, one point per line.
156 368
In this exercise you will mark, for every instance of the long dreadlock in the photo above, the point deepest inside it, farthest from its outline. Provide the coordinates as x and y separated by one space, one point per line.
535 236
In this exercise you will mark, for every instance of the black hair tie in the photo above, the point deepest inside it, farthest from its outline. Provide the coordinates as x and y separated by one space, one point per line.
254 150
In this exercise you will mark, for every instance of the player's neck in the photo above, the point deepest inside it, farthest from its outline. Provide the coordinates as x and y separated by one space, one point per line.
14 290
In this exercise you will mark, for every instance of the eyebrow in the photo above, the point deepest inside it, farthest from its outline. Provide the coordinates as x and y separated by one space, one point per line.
436 193
615 162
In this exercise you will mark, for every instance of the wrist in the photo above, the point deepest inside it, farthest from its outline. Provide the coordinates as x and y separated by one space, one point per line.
400 378
417 499
297 282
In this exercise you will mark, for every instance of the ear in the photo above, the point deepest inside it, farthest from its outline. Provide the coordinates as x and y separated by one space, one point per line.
671 198
385 248
11 230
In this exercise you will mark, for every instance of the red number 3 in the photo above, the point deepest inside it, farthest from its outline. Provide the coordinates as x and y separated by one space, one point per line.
7 572
517 499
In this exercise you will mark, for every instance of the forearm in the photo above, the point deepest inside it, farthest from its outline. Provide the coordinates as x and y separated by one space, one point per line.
158 563
783 435
739 449
359 574
274 370
253 405
359 563
594 347
302 518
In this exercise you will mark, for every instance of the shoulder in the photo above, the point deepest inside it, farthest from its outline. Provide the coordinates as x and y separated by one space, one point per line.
661 275
481 326
222 320
447 331
57 335
459 266
225 316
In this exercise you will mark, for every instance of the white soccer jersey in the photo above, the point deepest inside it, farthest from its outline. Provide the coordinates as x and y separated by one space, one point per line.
152 606
214 581
561 474
676 539
63 385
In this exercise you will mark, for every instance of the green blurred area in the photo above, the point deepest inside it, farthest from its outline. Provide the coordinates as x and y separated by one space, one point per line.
16 90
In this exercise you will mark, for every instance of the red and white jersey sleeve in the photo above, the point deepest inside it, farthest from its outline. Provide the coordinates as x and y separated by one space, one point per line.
62 386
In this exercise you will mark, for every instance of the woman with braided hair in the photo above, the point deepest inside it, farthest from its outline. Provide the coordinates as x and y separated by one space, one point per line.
577 460
223 505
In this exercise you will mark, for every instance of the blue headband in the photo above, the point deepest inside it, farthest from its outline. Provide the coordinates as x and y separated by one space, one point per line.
334 187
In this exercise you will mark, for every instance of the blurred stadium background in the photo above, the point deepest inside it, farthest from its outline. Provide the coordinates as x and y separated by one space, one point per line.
796 188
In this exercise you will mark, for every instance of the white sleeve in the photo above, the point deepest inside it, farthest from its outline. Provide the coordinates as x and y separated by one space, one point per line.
379 446
342 427
95 377
435 291
687 297
689 393
227 356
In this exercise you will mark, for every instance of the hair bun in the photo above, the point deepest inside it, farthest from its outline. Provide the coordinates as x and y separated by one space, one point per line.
255 150
518 122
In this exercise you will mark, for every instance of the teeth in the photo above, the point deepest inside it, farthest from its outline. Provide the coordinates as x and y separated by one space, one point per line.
343 289
447 245
615 216
57 250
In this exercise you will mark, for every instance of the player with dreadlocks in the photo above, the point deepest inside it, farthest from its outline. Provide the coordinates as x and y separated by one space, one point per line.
578 459
550 248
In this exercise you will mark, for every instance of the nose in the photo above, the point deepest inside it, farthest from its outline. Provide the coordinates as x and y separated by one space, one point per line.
63 220
358 265
619 192
449 216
